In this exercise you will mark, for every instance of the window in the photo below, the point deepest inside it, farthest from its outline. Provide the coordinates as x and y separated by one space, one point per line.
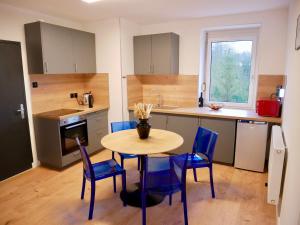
230 68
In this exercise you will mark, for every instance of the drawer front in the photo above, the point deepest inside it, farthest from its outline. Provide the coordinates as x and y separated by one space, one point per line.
97 121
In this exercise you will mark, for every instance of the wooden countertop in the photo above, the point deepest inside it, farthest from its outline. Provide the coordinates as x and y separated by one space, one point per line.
236 114
85 110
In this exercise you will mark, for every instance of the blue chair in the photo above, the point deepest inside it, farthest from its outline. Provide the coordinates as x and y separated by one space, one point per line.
99 171
203 153
164 176
124 125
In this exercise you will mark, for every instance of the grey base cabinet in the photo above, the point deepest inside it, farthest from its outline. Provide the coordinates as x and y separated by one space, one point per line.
97 128
48 139
225 147
186 126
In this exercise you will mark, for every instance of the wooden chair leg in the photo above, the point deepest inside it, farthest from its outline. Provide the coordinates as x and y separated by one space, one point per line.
211 182
186 222
195 174
83 187
92 200
124 187
114 183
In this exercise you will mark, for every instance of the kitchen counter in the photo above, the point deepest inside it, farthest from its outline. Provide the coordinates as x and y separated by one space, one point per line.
236 114
83 111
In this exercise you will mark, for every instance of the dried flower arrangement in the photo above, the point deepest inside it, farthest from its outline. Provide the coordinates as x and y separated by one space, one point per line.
142 111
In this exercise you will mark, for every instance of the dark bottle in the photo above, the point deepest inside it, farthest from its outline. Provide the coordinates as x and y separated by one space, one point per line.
200 101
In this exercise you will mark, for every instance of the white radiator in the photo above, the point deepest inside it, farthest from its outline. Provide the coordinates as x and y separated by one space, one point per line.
276 160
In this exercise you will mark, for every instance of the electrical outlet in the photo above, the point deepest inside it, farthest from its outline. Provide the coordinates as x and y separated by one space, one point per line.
73 95
35 84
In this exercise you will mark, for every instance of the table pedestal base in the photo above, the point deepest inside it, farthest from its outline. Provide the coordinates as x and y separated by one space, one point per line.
133 197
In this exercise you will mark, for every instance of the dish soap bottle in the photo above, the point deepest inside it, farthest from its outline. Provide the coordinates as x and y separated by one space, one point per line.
200 103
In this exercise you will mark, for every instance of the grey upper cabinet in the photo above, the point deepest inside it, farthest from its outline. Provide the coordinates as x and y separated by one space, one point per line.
225 147
142 54
53 49
56 45
186 126
84 52
156 54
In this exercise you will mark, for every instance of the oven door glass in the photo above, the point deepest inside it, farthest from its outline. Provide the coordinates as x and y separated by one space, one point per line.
69 133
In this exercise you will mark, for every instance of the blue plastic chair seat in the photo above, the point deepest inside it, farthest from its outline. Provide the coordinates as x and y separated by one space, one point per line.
195 160
163 182
105 169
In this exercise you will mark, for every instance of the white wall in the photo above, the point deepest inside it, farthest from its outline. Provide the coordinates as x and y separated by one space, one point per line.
290 208
271 46
128 30
108 54
12 22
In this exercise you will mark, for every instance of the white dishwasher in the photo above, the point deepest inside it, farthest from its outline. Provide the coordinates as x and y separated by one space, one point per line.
251 141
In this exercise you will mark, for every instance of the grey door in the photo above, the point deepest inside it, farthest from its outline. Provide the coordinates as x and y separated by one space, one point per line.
16 155
187 127
84 52
225 146
57 49
161 53
158 121
142 54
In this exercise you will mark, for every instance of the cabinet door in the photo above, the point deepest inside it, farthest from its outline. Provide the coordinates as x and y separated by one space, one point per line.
225 146
57 49
84 52
97 129
158 121
165 53
185 126
142 54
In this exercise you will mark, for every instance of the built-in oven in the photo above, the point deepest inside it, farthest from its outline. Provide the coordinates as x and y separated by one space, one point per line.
71 128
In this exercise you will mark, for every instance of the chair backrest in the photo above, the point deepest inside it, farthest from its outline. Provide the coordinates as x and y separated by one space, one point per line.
157 166
123 125
87 165
205 142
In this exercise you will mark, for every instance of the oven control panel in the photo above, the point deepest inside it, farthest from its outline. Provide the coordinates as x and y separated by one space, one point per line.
70 120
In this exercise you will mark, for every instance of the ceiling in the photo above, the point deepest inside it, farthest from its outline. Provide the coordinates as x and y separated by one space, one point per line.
145 11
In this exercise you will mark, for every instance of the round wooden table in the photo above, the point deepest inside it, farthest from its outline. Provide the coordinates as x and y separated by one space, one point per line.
128 142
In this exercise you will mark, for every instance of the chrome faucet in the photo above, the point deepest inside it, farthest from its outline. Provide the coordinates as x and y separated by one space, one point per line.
159 100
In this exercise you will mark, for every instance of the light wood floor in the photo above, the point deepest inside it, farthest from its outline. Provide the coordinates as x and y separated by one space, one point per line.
44 196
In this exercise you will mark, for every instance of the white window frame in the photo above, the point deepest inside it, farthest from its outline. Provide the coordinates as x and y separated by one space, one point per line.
253 74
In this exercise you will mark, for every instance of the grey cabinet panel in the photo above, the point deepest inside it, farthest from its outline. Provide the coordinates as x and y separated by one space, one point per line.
187 127
158 121
225 146
57 49
97 128
142 54
161 53
53 49
156 54
84 52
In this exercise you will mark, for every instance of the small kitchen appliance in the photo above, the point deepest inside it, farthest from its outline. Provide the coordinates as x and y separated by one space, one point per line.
88 99
268 107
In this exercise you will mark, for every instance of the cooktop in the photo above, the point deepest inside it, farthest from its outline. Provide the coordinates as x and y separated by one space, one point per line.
60 112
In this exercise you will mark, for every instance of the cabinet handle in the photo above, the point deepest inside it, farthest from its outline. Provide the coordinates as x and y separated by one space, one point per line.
46 67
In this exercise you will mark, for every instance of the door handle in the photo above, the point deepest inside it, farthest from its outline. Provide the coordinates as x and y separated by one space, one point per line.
22 111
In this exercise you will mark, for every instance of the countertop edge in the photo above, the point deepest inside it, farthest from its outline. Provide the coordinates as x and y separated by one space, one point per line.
256 118
85 111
